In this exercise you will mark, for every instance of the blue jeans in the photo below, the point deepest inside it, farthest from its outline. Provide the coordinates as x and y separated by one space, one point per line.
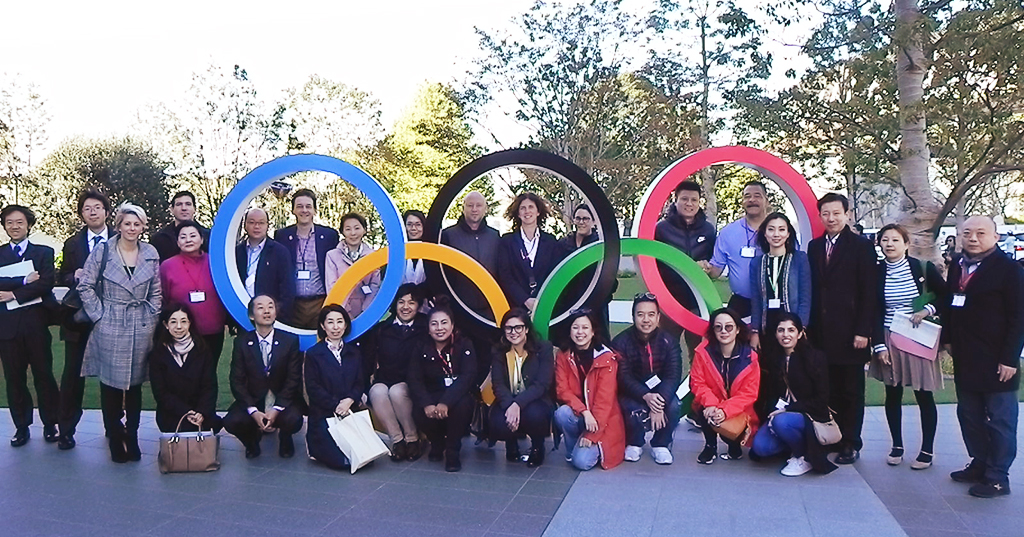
634 412
784 431
572 426
988 422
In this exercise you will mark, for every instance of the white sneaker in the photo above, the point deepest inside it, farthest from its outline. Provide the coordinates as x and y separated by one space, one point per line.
661 455
796 466
633 453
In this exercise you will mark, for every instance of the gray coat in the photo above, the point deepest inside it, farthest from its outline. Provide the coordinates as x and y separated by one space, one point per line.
125 313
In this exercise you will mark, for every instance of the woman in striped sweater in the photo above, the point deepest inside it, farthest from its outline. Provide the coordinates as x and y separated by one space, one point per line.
911 287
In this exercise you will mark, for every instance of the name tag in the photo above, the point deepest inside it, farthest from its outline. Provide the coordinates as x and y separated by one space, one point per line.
448 381
367 290
302 275
774 303
747 251
959 300
652 382
781 405
196 297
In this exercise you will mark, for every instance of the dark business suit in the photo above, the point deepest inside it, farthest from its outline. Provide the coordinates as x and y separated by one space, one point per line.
179 389
328 381
326 240
844 304
251 380
275 274
535 402
25 337
72 384
514 271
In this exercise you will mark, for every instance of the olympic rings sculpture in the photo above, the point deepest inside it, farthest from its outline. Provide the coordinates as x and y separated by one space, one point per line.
607 251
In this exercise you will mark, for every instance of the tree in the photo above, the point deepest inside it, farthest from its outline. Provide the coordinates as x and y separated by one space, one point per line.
125 169
331 118
23 121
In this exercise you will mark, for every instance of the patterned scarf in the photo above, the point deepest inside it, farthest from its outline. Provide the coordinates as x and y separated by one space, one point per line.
181 348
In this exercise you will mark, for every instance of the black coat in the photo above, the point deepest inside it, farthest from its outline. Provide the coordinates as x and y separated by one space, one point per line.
807 378
326 240
328 382
166 241
73 256
514 268
844 297
635 363
696 240
275 274
250 380
538 378
926 277
179 389
427 376
988 329
387 349
27 318
482 245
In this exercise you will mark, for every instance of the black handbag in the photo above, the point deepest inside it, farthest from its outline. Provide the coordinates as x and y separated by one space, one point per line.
75 317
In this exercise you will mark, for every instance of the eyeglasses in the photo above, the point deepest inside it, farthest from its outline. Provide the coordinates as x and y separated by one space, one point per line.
645 296
582 219
725 329
515 328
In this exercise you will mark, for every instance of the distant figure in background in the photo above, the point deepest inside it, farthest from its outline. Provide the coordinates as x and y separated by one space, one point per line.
736 246
186 279
857 229
264 264
308 244
983 329
183 375
93 209
350 250
183 209
24 331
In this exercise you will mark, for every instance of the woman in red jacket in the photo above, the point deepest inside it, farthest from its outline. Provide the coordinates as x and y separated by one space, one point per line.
724 380
586 387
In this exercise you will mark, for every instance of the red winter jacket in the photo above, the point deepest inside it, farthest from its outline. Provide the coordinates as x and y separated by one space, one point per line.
708 387
601 399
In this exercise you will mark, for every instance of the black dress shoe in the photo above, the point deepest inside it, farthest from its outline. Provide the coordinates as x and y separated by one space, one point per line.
989 489
287 448
398 451
536 457
413 450
20 437
847 456
972 473
50 433
252 450
117 451
452 463
131 448
66 442
512 453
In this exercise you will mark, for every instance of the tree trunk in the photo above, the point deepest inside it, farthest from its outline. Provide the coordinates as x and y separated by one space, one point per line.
920 208
707 175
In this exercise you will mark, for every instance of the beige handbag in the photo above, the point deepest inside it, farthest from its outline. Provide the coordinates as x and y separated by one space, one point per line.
188 452
827 432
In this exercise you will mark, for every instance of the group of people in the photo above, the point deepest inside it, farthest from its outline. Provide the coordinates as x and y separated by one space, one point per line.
786 355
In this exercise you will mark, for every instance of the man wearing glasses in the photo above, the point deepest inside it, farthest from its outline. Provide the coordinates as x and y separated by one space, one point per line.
649 375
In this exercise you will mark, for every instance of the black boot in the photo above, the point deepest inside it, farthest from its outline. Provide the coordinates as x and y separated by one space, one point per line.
131 447
512 451
118 453
452 463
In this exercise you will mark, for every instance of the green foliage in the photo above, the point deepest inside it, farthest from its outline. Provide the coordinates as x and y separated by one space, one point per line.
123 168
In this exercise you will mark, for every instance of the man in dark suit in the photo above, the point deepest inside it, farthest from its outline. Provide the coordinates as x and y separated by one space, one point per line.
308 244
264 265
93 209
983 329
843 314
24 330
266 380
183 209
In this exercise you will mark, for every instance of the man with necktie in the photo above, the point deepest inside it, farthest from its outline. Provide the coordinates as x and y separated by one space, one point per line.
264 265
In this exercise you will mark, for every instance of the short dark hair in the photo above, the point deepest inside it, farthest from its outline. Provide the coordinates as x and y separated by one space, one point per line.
93 193
30 216
532 343
743 335
406 289
304 193
252 301
892 227
543 209
322 318
351 216
762 230
183 194
598 340
187 224
833 197
858 227
163 336
645 297
761 184
689 186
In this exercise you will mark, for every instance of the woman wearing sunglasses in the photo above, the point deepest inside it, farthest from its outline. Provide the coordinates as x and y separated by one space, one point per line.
522 374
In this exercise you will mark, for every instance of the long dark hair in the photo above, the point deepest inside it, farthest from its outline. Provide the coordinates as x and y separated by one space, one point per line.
762 238
322 318
163 336
532 343
802 344
743 331
595 343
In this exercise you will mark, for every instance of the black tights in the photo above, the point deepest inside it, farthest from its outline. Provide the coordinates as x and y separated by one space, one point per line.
894 415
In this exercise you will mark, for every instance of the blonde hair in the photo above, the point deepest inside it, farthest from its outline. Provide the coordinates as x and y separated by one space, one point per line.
127 208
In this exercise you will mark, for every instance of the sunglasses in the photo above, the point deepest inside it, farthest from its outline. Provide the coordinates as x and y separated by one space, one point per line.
645 296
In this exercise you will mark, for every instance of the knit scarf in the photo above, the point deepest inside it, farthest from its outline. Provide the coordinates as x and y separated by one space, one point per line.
180 349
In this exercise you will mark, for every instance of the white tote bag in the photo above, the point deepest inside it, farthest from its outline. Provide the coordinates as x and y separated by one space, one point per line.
356 438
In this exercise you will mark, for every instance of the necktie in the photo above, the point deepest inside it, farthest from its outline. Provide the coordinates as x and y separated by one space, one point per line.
268 402
17 250
829 245
95 242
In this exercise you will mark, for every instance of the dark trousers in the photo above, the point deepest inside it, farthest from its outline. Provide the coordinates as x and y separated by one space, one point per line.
988 423
846 398
449 431
322 446
534 421
215 343
710 436
30 347
239 423
637 417
168 424
72 385
121 404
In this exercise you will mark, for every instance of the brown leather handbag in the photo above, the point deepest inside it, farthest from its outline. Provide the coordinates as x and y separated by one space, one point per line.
736 428
188 452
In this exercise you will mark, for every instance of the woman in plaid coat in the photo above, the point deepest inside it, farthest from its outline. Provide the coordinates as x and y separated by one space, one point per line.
120 291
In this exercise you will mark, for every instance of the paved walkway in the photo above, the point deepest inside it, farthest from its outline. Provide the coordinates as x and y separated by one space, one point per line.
48 492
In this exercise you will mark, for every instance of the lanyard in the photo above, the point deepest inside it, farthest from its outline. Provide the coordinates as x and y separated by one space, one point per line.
530 247
446 363
303 246
966 275
253 260
195 283
750 233
775 269
650 357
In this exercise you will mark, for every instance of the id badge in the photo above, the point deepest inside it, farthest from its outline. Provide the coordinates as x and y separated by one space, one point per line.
367 290
303 275
196 297
653 381
747 251
774 303
448 381
781 405
959 300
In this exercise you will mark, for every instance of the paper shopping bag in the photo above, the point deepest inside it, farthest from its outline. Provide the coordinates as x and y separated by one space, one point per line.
356 438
